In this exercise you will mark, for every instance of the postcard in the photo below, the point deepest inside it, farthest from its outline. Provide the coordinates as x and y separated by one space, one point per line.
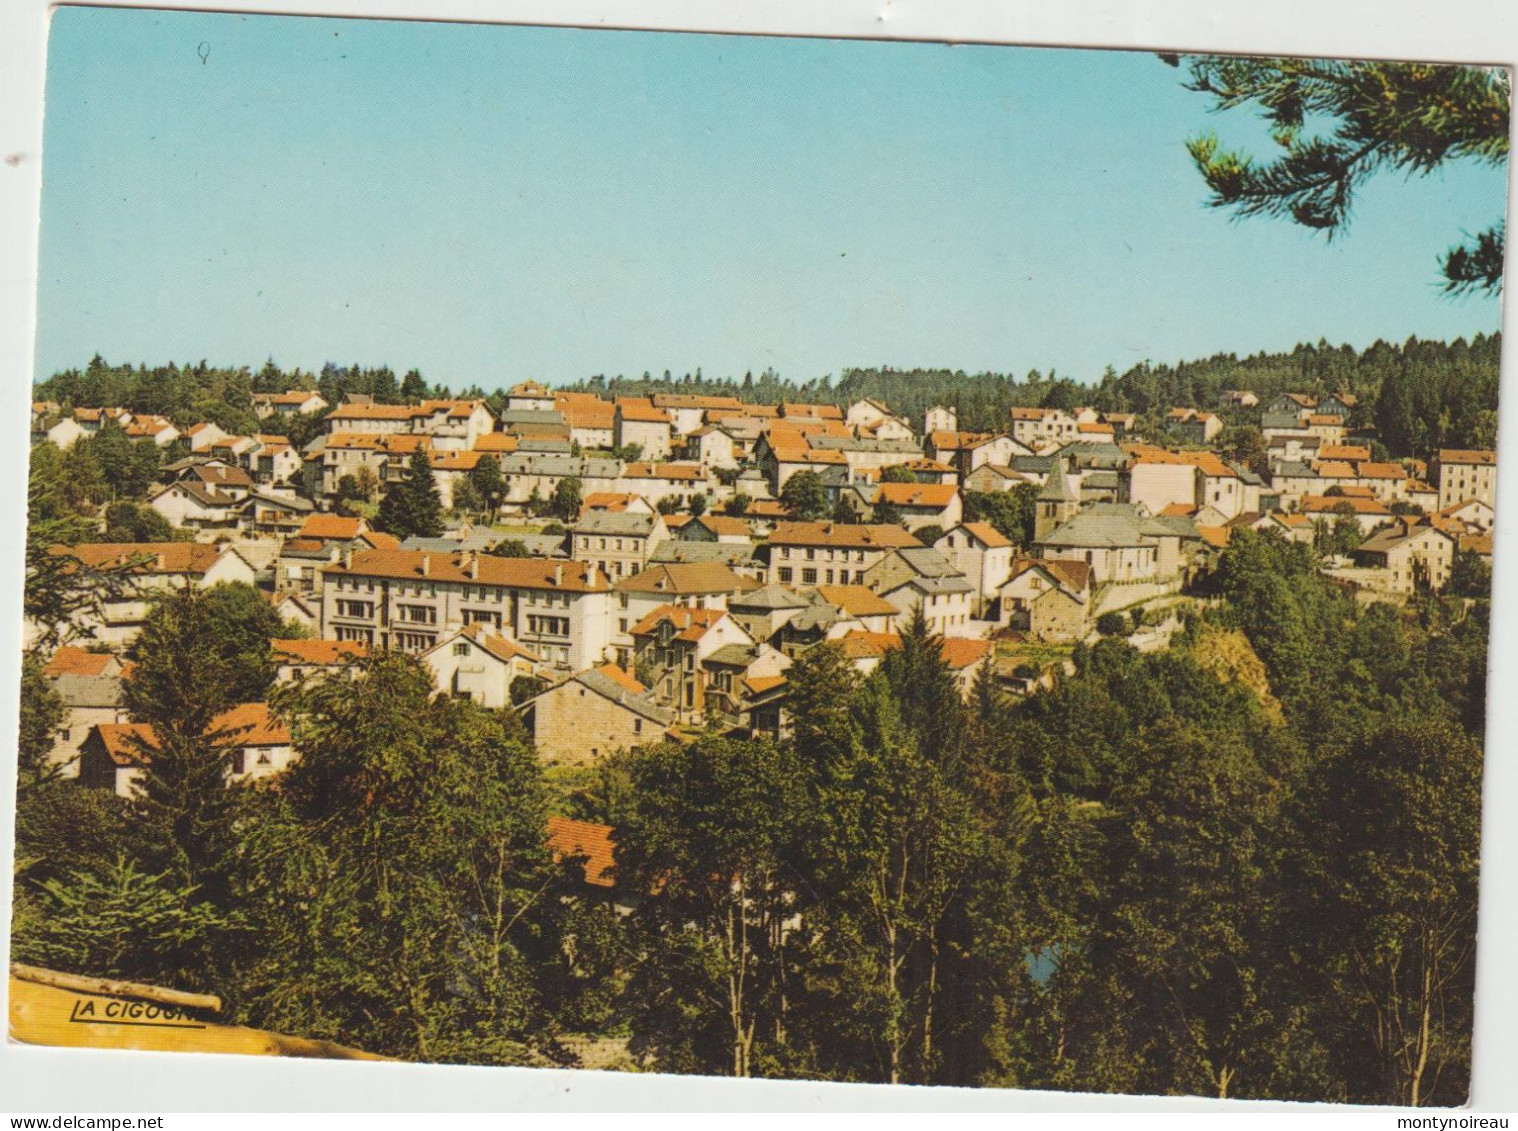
752 556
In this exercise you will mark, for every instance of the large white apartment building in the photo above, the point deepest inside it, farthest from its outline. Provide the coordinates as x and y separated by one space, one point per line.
409 599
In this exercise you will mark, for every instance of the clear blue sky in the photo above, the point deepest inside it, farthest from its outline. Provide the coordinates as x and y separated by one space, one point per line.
490 203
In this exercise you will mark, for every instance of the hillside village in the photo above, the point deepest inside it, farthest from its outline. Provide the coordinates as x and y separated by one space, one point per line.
621 570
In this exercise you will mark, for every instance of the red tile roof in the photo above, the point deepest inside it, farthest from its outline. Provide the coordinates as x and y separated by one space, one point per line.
1462 455
323 652
642 411
70 660
249 724
607 501
958 652
1321 504
497 645
151 557
674 471
569 839
858 600
935 495
687 578
961 652
331 526
496 442
690 624
471 568
987 533
819 411
873 536
1352 452
622 678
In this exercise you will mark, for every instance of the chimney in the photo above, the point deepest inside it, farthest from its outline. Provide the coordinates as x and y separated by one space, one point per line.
474 565
558 575
426 565
348 558
161 561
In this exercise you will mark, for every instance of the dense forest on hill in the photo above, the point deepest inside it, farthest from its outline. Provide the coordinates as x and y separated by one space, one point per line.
1419 395
1245 866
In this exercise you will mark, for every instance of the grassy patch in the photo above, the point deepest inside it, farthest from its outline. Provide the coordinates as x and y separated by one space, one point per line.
1033 652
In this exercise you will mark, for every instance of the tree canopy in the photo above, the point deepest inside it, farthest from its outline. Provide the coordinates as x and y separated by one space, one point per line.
1338 123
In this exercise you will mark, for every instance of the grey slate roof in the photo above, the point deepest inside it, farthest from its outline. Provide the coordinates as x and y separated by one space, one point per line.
89 690
955 584
834 475
538 444
819 616
611 689
854 444
1286 420
1056 488
287 502
530 416
1094 454
769 597
928 562
628 524
541 545
1102 526
728 553
481 540
734 655
552 464
206 496
1169 526
1294 469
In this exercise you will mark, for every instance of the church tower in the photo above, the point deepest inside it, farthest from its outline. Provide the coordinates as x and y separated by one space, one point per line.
1057 503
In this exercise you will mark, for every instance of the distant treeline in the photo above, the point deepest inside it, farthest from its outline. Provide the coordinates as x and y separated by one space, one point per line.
1420 395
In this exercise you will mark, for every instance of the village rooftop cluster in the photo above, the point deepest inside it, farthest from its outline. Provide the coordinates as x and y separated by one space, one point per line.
684 585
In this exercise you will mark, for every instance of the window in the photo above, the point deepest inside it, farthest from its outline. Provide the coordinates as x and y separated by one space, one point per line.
811 554
637 726
461 649
416 614
809 577
785 575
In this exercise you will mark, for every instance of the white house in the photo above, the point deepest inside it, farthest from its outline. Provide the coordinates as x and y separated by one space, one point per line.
980 552
475 663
